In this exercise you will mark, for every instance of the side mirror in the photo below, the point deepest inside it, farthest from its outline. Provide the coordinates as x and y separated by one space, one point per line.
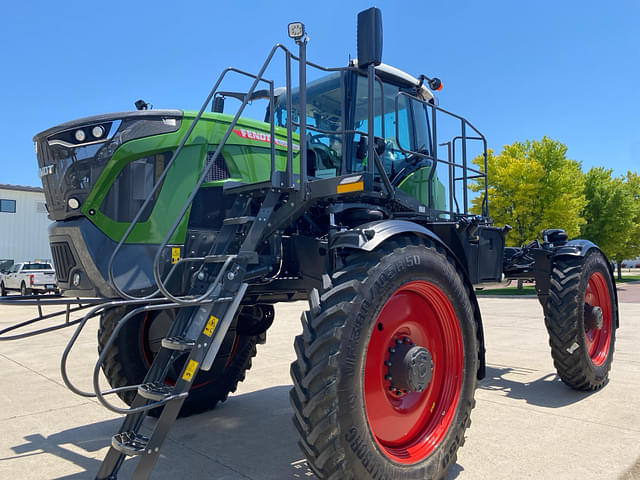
369 37
218 104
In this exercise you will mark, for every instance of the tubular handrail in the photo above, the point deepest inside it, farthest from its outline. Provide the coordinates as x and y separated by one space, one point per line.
257 78
161 280
35 300
99 394
83 321
166 170
451 155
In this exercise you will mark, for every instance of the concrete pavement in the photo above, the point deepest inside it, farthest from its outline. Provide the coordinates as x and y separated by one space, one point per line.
526 424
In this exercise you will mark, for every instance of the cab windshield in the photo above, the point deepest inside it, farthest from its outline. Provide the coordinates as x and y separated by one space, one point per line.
328 107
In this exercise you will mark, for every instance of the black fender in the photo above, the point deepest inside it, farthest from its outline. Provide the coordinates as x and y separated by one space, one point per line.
371 235
581 248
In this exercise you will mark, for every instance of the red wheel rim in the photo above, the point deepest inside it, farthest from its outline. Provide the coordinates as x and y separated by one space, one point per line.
597 342
408 427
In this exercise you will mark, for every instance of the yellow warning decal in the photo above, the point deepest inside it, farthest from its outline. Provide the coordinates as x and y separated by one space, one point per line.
350 187
188 372
432 407
175 254
210 326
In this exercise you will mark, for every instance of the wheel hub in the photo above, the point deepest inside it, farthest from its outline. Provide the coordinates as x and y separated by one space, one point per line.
593 319
410 367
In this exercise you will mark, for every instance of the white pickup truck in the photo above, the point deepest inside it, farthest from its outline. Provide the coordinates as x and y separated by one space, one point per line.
29 278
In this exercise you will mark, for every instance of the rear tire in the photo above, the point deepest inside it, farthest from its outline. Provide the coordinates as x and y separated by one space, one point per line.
133 351
24 291
352 421
3 291
582 353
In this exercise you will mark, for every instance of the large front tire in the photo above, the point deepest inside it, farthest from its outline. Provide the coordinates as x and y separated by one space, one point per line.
386 370
139 340
580 316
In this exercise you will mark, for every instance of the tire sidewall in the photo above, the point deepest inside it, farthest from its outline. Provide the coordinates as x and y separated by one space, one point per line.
402 266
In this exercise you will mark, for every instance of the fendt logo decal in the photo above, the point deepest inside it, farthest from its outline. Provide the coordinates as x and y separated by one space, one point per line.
262 137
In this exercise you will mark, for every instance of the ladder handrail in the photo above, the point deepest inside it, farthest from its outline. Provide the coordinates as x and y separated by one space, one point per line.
82 323
96 370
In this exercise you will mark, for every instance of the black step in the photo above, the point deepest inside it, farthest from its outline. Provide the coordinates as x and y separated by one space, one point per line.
217 258
155 391
250 257
178 343
130 443
238 220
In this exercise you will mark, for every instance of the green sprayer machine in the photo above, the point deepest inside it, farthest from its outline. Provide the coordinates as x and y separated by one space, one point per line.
180 230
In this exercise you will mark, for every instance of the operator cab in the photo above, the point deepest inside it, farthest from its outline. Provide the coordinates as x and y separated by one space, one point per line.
337 125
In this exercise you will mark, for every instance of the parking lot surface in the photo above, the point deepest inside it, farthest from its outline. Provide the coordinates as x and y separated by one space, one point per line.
526 424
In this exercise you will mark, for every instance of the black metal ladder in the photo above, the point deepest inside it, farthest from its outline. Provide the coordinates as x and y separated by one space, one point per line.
198 331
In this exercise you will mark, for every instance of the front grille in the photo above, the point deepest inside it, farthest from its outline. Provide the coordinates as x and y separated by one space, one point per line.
63 260
70 167
218 170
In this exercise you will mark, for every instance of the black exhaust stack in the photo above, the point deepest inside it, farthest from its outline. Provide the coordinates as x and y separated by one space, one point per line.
369 37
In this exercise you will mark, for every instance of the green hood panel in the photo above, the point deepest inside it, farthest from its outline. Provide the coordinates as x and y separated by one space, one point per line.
246 155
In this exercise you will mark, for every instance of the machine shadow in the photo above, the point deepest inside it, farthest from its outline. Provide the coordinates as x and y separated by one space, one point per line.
547 391
69 445
250 436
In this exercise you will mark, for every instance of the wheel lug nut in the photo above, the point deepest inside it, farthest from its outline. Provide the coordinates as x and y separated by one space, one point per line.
398 341
387 377
406 340
392 350
387 363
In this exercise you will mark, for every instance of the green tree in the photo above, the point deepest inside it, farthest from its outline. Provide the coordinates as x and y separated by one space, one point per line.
533 186
612 213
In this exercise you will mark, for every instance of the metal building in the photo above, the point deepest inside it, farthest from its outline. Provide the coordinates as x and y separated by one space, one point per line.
23 225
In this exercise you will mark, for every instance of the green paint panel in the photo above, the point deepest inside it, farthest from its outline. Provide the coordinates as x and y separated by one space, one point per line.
247 156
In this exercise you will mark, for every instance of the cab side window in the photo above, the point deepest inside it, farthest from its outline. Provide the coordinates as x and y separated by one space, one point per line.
401 133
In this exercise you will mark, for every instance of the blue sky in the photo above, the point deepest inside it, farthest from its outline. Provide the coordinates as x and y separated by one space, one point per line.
517 70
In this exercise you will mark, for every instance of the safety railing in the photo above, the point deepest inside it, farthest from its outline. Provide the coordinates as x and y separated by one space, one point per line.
278 179
468 173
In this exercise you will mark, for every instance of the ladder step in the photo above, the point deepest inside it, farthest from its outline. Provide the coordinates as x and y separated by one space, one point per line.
217 258
130 443
238 220
178 343
250 257
155 391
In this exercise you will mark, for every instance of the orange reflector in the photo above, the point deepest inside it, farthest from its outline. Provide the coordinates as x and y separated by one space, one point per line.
350 187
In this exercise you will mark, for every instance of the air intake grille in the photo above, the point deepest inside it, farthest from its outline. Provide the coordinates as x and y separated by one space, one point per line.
218 170
63 260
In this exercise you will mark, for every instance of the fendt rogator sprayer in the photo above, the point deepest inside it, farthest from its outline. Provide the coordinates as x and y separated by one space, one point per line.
180 230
